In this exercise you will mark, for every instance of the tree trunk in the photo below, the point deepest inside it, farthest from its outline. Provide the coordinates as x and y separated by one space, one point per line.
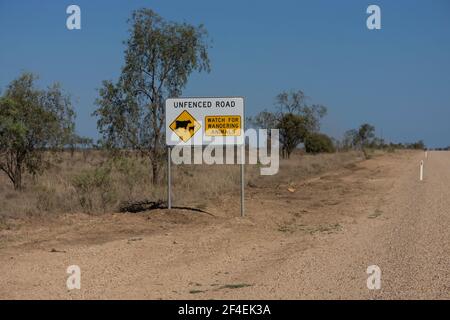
17 178
155 171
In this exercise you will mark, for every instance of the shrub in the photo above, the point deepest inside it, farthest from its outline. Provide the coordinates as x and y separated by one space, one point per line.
92 186
132 173
366 152
318 142
46 199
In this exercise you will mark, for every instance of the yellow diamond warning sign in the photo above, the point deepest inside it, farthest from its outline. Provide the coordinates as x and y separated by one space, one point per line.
223 125
185 126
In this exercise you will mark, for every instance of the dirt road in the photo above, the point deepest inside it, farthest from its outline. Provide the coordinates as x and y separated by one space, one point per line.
313 241
409 241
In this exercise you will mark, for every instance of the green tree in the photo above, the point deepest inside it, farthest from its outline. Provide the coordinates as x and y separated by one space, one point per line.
293 117
366 133
295 102
318 142
361 137
159 59
31 122
293 131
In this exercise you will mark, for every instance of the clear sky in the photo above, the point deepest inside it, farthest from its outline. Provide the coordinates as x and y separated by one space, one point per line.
396 78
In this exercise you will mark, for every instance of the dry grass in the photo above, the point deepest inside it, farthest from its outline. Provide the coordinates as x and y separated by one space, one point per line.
56 190
303 166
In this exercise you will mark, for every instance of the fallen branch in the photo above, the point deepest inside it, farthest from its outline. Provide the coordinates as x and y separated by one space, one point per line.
147 205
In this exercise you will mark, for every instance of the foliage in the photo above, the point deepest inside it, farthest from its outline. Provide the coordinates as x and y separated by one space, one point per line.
295 102
159 59
78 142
350 140
318 143
45 198
366 133
131 170
92 183
361 137
293 117
293 131
264 120
419 145
364 138
32 121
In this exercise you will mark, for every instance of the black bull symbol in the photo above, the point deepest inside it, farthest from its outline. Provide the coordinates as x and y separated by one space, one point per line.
184 125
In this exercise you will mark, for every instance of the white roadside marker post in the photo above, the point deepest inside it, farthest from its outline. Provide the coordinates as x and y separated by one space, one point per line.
426 154
421 170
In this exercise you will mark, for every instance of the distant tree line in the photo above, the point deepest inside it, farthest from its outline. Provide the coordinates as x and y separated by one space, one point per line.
299 123
364 137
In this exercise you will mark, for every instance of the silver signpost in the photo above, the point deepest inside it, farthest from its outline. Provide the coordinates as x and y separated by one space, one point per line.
169 177
205 121
242 179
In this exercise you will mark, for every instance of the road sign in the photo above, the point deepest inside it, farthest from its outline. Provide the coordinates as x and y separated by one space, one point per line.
204 121
223 126
185 126
200 121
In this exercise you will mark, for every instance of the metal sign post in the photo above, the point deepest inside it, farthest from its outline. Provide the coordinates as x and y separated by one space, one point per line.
242 179
169 177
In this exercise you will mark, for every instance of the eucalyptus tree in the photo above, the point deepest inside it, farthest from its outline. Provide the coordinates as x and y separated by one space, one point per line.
159 58
32 121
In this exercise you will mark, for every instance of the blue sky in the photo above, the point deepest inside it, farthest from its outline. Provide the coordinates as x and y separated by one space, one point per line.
397 78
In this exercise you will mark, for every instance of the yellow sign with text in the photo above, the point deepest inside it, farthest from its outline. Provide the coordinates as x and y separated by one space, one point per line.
223 126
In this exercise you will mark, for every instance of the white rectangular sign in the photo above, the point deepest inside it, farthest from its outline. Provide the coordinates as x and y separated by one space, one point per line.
204 121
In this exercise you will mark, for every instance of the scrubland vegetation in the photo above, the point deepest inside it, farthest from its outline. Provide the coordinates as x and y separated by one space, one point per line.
95 182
